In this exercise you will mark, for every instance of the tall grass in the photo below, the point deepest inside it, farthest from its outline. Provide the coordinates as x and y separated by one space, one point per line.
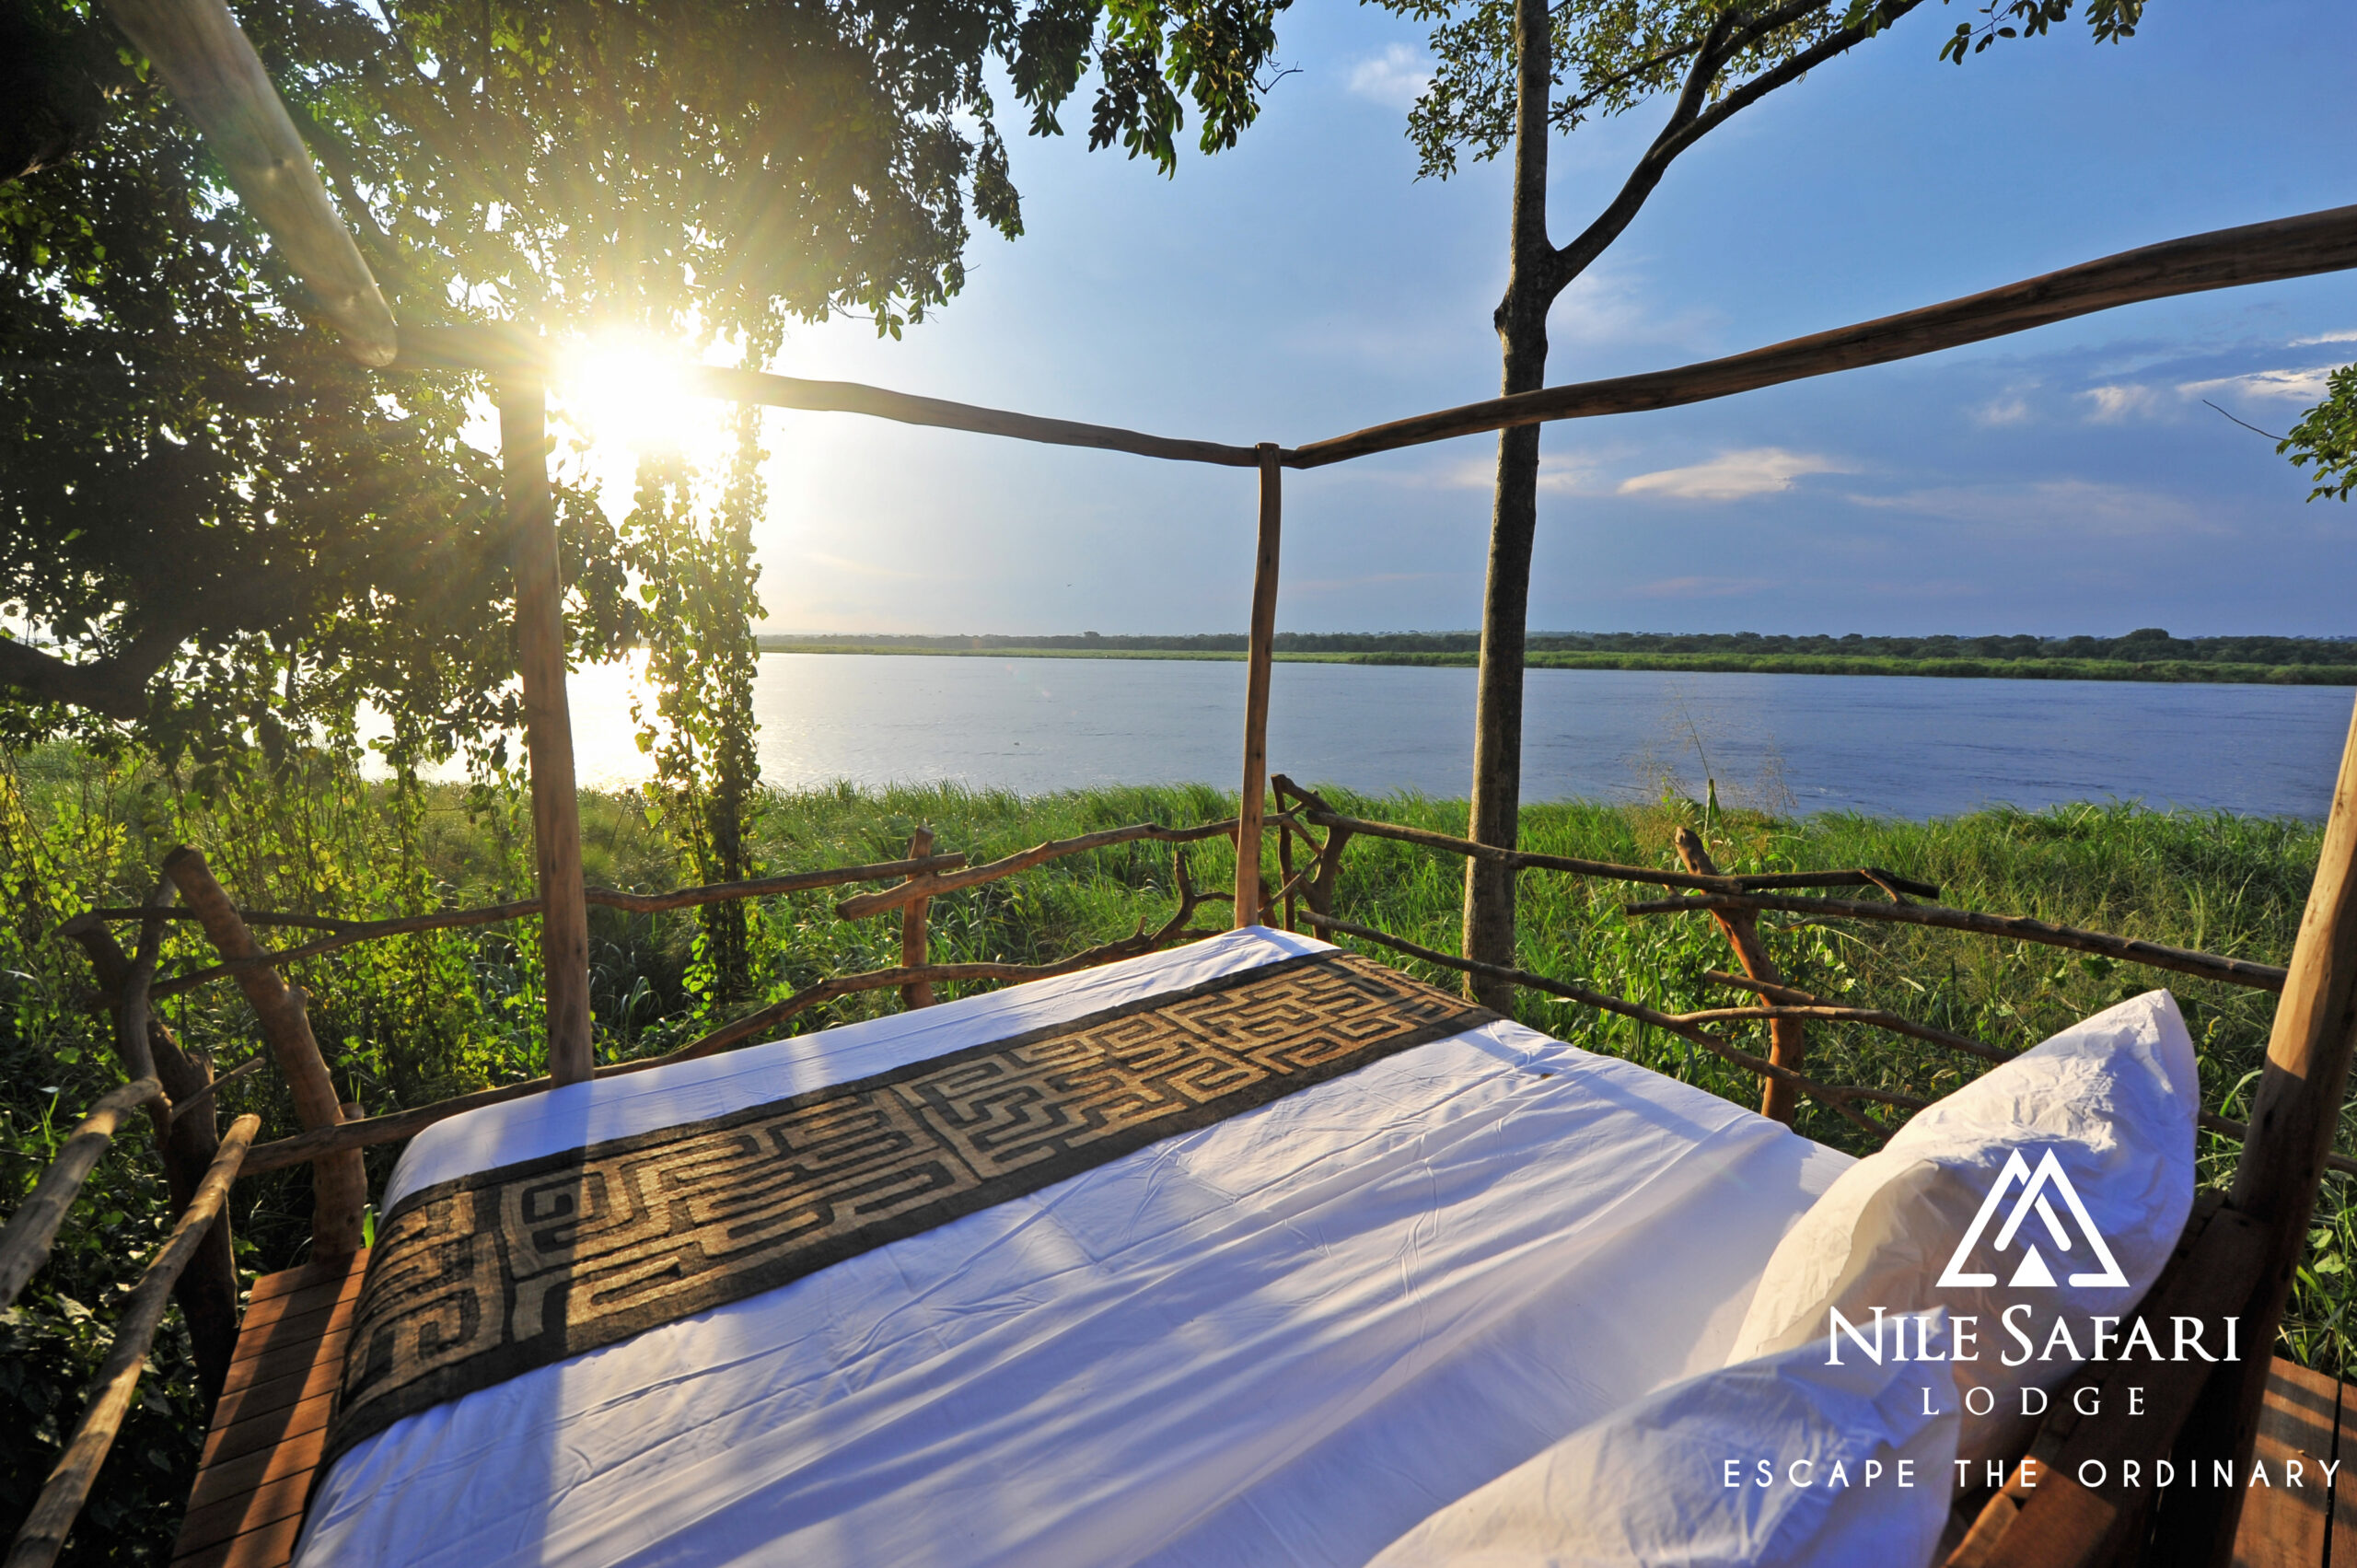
418 1018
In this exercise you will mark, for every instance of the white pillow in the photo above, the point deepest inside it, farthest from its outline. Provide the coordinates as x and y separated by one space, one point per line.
1858 1475
2104 1112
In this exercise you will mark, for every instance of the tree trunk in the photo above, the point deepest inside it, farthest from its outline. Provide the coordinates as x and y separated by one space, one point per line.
1522 331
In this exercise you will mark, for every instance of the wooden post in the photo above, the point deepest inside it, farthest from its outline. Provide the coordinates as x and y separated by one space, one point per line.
913 943
2292 1118
1256 690
340 1181
548 728
1320 890
207 1289
1285 873
1787 1037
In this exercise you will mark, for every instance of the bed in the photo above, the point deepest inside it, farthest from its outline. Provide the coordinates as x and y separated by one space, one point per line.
1284 1337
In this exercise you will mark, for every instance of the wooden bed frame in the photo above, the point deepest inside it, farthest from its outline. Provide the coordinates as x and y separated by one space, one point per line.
2238 1256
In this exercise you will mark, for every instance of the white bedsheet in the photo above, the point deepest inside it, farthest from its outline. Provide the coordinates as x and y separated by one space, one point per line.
1284 1339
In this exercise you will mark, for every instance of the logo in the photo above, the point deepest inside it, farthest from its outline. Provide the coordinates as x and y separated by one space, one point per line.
2035 1199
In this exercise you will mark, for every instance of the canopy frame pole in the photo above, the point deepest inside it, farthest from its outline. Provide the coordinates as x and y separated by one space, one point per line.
2294 1115
548 727
1256 688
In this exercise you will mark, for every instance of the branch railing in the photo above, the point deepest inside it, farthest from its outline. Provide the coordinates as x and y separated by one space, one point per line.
181 1095
1304 894
1733 900
922 877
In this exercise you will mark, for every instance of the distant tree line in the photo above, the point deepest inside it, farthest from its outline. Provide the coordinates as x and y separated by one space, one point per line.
2149 645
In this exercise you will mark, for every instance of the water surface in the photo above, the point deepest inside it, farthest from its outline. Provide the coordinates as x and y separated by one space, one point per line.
1894 746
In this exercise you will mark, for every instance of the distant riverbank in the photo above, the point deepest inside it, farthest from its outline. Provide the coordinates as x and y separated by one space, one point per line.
2168 671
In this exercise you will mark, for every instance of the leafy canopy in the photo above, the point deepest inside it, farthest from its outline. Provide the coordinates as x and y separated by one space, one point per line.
2327 436
212 528
1610 55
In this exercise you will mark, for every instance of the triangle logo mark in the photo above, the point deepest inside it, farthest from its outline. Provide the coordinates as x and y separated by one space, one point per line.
2033 1194
2033 1272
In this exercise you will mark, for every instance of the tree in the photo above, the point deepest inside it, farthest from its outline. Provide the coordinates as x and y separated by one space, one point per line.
694 559
1509 74
213 529
2327 436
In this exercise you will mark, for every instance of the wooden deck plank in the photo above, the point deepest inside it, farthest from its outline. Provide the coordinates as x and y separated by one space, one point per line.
270 1427
266 1504
244 1436
276 1394
2285 1526
271 1543
316 1298
295 1343
287 1280
296 1347
2344 1491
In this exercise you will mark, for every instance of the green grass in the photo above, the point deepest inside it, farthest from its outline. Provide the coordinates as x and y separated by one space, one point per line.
418 1018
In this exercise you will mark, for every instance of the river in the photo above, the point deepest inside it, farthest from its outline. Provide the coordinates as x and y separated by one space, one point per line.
1891 746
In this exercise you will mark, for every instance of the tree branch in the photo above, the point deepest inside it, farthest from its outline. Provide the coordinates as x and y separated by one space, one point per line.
115 686
1575 258
1621 78
1689 121
1791 71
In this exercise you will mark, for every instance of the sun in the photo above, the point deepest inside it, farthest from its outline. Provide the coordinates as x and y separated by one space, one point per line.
628 389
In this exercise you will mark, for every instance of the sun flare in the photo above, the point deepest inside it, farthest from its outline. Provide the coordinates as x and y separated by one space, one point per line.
628 389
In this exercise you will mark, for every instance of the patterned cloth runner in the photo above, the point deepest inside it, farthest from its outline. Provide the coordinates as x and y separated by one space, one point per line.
476 1280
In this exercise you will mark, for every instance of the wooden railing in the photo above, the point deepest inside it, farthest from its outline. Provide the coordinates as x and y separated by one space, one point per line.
1307 899
179 1095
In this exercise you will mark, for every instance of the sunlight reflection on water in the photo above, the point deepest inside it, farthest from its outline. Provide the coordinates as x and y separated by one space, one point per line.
1890 746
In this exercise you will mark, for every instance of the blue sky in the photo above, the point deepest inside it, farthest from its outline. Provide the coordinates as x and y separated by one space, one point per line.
1306 284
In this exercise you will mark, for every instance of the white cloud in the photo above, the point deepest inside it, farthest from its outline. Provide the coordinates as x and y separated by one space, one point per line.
2003 411
1395 79
1570 473
2121 402
2282 385
1733 475
2347 337
2118 403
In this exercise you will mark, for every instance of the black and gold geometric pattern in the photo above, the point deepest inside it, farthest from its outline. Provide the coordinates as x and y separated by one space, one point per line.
477 1280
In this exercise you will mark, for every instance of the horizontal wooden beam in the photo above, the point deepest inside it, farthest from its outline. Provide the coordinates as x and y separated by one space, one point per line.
217 80
305 1147
24 1244
2226 1126
43 1536
852 397
2020 928
501 350
1834 1098
1525 860
864 905
344 933
2226 258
